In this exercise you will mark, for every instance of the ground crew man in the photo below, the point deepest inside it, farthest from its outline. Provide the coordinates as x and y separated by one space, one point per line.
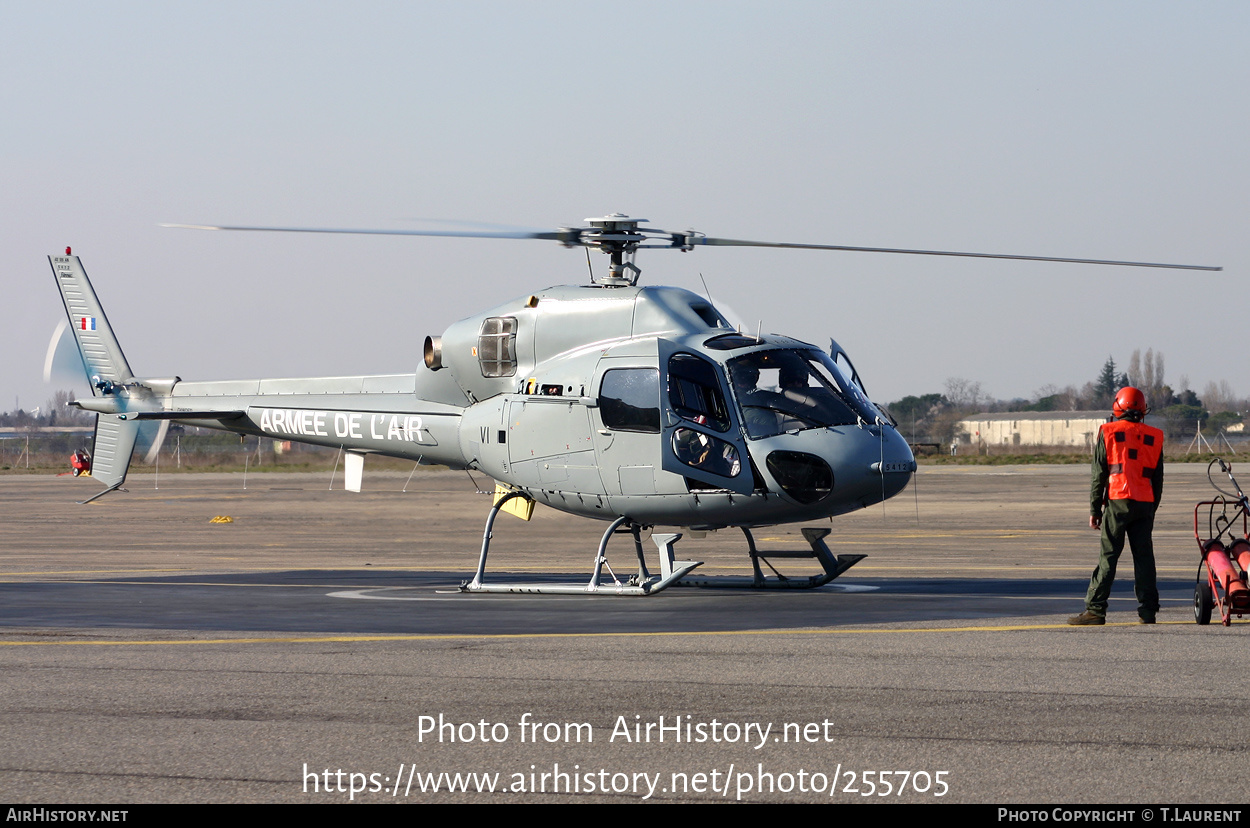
1125 487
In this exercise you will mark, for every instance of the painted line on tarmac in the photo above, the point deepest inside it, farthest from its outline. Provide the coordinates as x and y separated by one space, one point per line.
205 494
357 591
369 594
198 584
10 575
366 639
366 594
688 591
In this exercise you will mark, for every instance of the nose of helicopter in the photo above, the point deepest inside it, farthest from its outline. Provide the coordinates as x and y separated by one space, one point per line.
895 462
878 464
840 469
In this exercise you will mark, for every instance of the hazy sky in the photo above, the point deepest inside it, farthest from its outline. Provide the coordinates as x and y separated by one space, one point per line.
1102 130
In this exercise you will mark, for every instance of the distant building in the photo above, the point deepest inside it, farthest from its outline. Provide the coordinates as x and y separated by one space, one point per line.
1076 429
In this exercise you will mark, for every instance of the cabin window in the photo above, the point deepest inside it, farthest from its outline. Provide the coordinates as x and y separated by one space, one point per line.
730 341
694 392
706 453
710 316
496 347
629 400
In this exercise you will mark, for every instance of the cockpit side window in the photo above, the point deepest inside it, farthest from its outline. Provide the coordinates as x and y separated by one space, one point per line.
791 390
843 362
694 392
629 400
496 347
849 382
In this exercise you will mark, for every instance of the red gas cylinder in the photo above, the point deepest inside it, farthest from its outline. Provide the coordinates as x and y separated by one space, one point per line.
1239 550
80 461
1228 579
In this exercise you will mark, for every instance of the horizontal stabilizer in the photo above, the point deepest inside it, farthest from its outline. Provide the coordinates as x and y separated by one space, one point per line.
184 415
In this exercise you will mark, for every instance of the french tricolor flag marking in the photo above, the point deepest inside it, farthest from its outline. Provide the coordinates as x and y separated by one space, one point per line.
86 323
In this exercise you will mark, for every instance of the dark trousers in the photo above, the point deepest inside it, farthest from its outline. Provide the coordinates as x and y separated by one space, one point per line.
1134 520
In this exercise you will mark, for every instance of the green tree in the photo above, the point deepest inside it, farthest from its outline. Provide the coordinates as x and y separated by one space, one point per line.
1187 398
915 415
1219 422
1183 420
1108 382
1051 402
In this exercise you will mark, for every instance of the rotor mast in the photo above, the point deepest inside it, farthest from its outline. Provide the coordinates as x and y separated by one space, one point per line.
617 235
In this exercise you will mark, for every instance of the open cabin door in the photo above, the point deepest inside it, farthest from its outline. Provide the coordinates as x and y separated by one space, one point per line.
701 437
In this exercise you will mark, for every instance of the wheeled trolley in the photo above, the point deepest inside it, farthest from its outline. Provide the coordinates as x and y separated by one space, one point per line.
1224 563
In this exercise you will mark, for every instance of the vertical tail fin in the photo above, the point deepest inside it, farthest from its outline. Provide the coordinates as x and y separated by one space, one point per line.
106 367
102 356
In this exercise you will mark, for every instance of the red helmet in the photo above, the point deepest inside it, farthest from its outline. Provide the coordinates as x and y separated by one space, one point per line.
1129 399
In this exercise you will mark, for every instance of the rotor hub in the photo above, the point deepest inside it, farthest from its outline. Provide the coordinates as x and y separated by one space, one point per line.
617 235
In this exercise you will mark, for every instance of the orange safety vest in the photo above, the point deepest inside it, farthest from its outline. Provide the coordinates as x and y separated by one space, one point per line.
1134 451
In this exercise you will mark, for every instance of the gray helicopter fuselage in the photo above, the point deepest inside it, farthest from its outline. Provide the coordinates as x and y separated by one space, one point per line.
578 411
595 400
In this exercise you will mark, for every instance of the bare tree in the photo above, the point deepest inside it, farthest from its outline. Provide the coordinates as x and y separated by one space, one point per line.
60 413
1050 392
963 393
1075 399
1150 376
1219 397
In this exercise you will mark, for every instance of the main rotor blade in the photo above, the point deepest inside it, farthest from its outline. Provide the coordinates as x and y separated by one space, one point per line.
472 234
466 223
711 242
594 237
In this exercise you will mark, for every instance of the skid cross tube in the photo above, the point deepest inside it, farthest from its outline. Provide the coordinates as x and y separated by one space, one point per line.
671 570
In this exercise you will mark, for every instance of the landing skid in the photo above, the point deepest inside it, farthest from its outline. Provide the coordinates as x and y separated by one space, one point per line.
116 487
672 572
643 583
833 566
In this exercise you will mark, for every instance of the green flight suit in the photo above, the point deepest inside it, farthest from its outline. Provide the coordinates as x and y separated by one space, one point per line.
1120 518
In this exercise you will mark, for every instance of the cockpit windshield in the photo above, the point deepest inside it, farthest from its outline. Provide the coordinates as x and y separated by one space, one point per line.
793 389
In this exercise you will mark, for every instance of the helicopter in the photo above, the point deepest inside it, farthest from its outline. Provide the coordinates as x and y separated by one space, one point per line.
641 406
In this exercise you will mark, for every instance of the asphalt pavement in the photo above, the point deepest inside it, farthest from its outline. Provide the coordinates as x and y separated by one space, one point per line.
318 640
